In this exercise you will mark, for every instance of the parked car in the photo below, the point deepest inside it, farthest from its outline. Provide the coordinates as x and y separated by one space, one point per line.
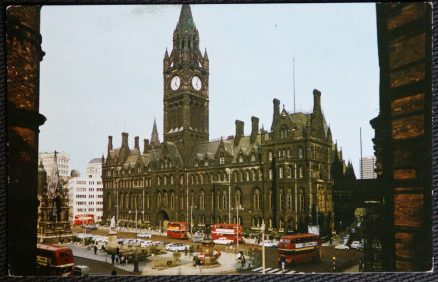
145 243
176 247
81 270
197 239
269 243
83 235
223 241
89 226
354 244
342 247
144 235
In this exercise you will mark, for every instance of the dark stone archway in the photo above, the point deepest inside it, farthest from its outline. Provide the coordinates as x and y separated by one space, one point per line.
161 219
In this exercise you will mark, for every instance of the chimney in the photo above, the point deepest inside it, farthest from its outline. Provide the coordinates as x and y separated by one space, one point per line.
125 139
110 142
316 101
146 146
136 146
276 107
239 131
254 128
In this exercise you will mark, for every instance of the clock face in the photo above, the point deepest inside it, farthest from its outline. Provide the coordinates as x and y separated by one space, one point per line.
175 82
196 83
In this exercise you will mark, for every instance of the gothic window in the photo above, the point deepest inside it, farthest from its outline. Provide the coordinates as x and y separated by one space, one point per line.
302 202
289 200
202 200
270 174
257 202
247 175
280 172
281 226
201 178
206 163
253 175
181 180
253 158
148 201
289 172
165 180
270 156
301 172
181 201
171 179
300 153
172 201
158 181
240 159
283 132
281 200
159 199
238 199
224 201
196 163
221 160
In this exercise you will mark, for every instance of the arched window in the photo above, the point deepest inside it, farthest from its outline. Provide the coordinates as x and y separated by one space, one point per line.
300 153
172 201
224 200
289 200
238 199
148 201
221 159
253 158
283 132
181 201
302 200
159 199
165 201
202 200
280 172
240 159
257 202
281 200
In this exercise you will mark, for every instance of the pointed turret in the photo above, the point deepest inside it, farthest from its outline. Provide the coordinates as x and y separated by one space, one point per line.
155 140
166 61
185 21
205 62
349 172
329 135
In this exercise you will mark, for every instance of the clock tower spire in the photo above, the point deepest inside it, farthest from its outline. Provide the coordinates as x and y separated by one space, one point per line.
185 73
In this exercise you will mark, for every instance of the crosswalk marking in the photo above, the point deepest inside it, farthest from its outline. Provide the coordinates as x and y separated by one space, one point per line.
274 270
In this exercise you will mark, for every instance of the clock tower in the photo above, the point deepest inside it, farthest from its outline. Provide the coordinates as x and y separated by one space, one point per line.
185 73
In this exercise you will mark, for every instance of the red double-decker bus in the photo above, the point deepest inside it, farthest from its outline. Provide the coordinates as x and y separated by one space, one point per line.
177 230
230 231
299 248
54 260
84 219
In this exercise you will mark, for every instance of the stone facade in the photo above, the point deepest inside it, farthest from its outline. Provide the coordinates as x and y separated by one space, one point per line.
282 176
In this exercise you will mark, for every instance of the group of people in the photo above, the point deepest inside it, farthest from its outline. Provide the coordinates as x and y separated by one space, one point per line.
118 259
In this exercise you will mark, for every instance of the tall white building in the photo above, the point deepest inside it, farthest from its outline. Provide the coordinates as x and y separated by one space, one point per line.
86 193
368 165
48 160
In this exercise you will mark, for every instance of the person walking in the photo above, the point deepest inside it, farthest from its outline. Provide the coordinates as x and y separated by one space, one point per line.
95 249
283 263
243 260
122 260
113 258
185 250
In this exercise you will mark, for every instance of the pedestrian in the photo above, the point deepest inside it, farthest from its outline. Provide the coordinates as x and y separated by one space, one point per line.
95 249
200 265
113 258
117 259
122 260
331 241
185 250
243 260
114 272
283 263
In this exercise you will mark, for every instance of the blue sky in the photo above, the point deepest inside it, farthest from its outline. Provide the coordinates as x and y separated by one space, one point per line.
102 72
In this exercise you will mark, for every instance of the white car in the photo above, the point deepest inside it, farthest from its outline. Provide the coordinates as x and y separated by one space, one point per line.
269 243
145 243
84 235
223 241
355 244
176 247
342 247
144 235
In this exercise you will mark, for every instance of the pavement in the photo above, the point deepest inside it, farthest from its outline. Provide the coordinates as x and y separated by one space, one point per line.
227 263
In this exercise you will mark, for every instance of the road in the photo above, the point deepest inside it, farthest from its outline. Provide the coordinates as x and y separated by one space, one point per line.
99 268
344 259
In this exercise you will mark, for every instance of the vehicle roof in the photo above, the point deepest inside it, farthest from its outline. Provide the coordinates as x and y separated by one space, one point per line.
295 236
52 247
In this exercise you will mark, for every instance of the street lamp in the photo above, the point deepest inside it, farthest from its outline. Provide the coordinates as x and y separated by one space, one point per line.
263 246
191 219
135 219
239 207
228 171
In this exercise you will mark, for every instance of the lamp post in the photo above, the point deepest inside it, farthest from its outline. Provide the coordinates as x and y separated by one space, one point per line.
239 207
191 219
135 219
263 247
228 171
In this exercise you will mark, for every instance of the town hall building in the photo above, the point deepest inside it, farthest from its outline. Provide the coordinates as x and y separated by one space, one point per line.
281 175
